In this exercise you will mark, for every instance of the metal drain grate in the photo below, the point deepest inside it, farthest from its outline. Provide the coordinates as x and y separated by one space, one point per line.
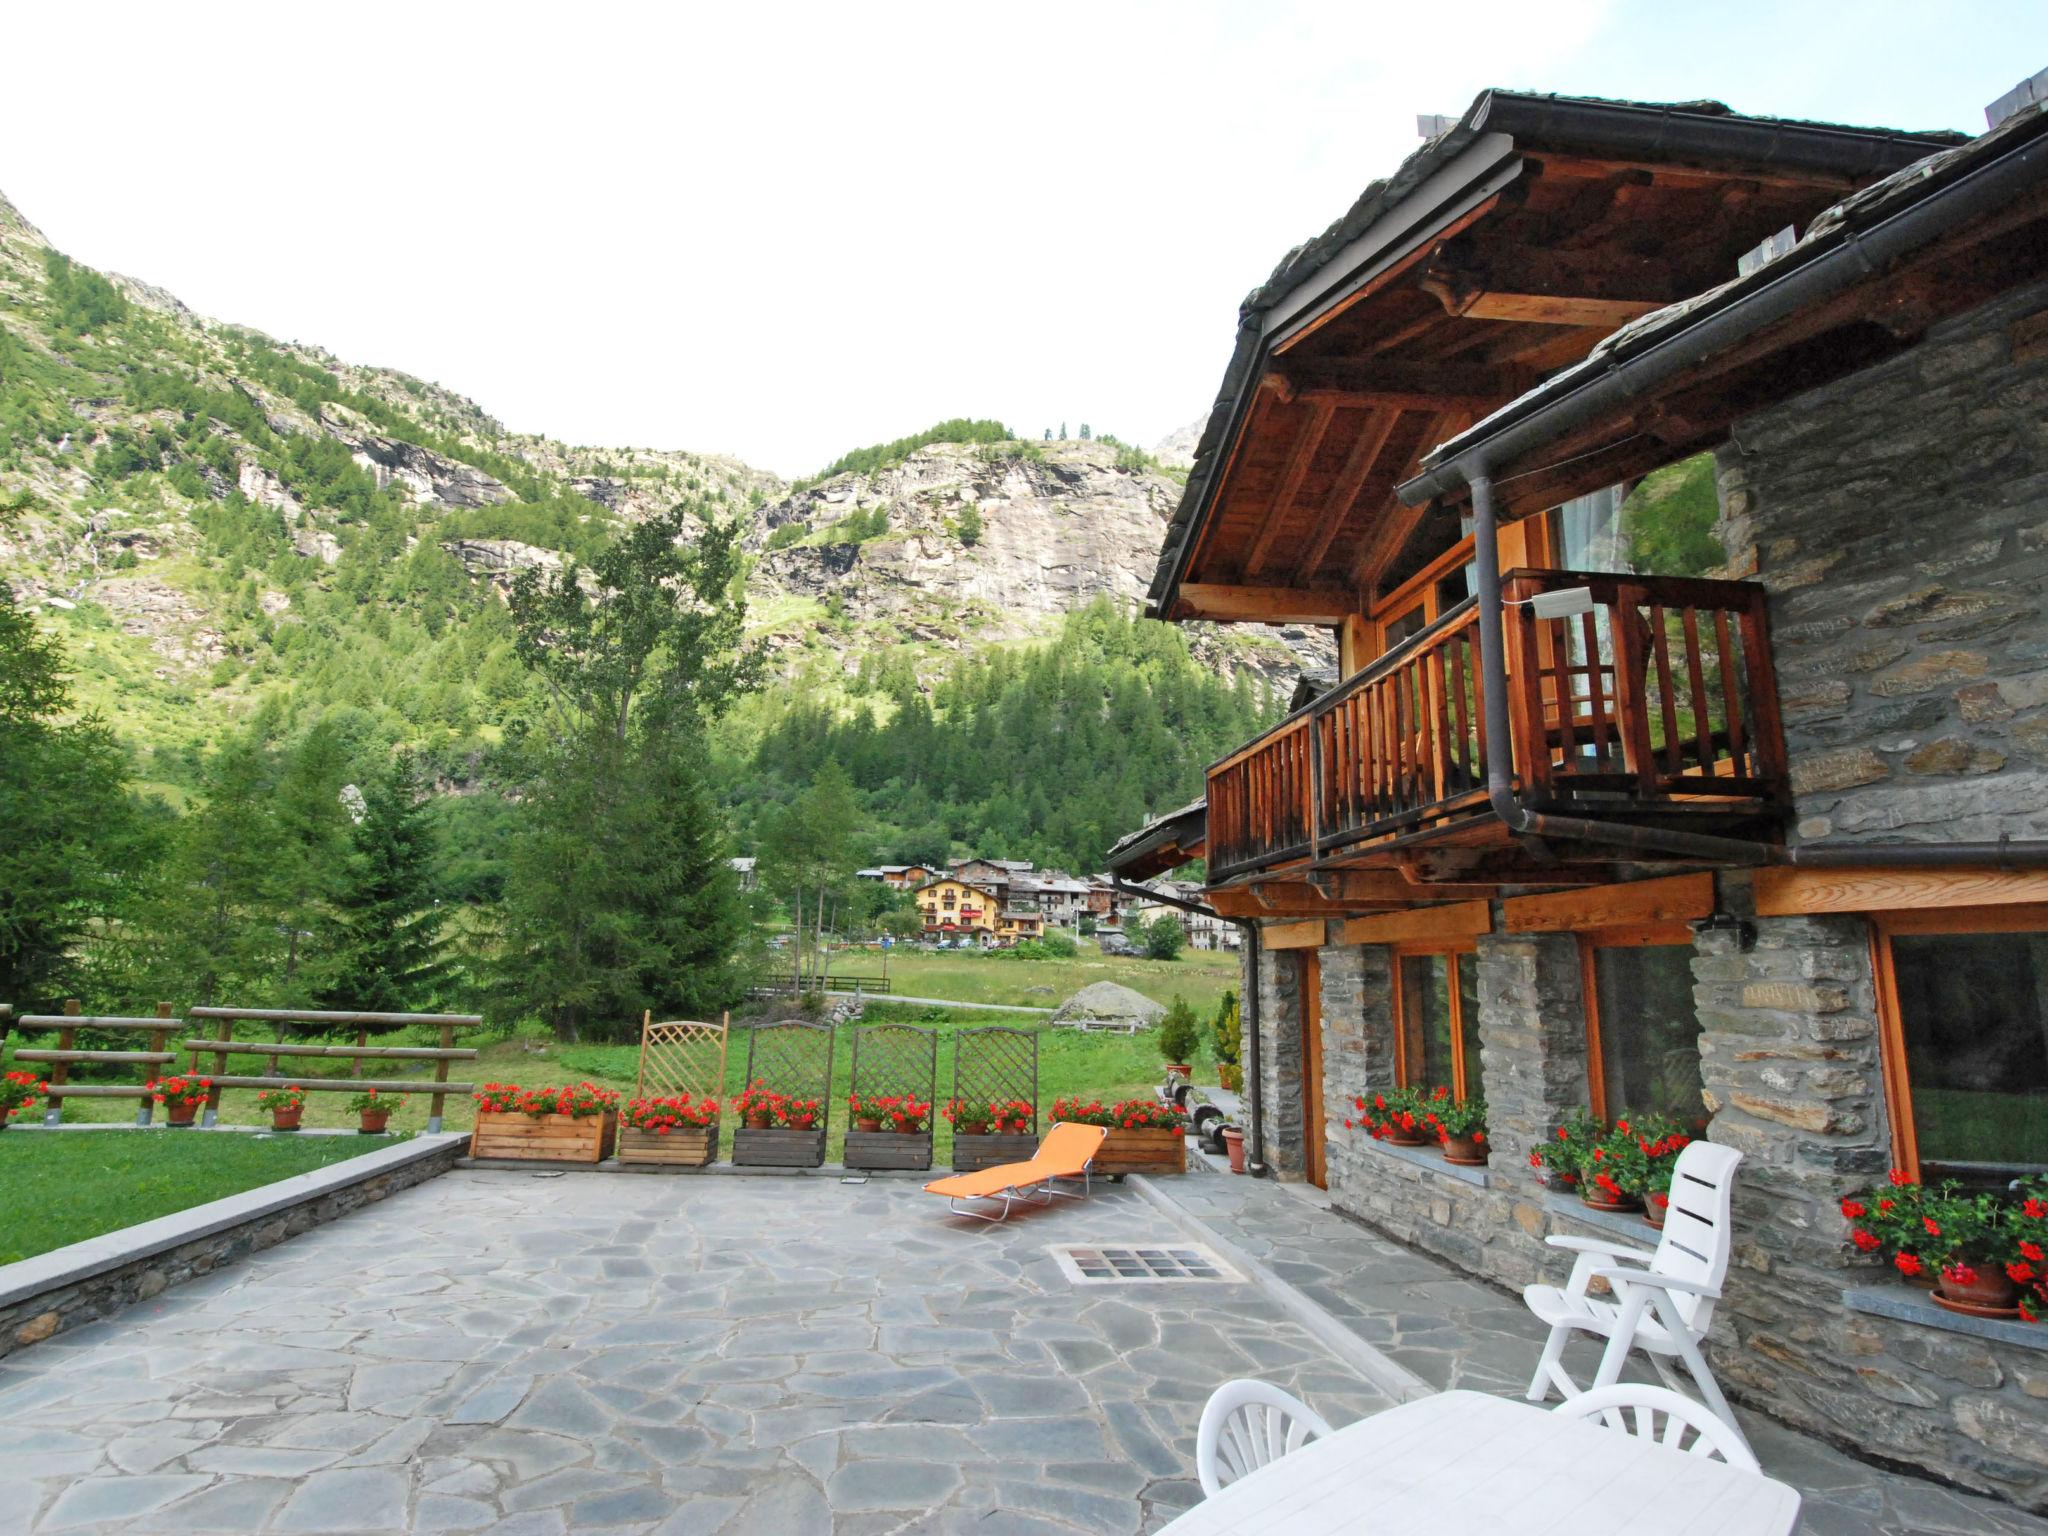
1141 1265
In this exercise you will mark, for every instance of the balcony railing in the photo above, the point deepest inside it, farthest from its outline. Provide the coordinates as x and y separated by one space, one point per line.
1659 700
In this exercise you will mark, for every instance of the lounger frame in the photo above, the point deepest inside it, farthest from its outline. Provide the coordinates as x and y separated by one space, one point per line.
1039 1192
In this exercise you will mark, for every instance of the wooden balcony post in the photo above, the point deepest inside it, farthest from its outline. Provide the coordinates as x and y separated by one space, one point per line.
1632 687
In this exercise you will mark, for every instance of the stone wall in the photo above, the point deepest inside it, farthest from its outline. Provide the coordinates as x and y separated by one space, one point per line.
82 1293
1900 520
1280 1065
1791 1069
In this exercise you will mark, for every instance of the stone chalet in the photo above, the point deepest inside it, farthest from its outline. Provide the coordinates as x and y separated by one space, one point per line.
1756 836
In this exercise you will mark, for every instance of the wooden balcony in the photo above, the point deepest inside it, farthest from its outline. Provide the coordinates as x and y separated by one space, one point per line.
1657 708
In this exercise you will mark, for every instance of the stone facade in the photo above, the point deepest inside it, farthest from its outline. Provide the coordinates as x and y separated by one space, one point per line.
1790 1067
1899 518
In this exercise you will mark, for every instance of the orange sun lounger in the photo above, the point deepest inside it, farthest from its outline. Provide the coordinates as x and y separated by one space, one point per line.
1066 1153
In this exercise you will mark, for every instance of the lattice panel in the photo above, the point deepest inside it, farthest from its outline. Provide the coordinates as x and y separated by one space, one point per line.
896 1059
681 1056
793 1058
997 1063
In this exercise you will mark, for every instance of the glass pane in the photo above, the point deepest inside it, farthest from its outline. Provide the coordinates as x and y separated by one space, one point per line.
1590 534
1468 1005
1399 629
1453 589
1975 1012
1426 1020
1649 1031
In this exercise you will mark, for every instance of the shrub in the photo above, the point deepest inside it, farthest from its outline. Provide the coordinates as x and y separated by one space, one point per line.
1179 1034
1226 1031
969 526
1163 937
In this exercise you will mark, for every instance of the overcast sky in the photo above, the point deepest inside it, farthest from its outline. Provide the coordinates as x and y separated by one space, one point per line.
782 231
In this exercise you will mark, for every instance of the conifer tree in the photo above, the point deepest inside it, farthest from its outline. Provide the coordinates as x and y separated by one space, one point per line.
388 929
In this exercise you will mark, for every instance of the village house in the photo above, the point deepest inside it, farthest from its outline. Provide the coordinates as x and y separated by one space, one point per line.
997 872
1057 897
1743 820
898 877
958 909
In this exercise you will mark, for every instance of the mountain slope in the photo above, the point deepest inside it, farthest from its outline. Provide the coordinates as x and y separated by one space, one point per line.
226 525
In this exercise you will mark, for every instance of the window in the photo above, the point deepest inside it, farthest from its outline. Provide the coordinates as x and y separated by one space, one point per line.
1963 995
1436 1026
1642 1028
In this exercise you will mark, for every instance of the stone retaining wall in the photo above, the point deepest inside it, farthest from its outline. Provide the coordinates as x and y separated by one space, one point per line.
87 1281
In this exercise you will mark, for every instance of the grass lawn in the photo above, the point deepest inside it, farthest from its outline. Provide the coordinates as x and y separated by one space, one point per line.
1070 1062
59 1189
1199 975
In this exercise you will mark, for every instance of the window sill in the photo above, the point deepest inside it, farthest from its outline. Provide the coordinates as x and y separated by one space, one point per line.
1905 1305
1427 1160
1629 1225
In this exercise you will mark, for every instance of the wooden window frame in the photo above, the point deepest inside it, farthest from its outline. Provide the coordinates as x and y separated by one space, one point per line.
1891 1023
1591 942
1450 949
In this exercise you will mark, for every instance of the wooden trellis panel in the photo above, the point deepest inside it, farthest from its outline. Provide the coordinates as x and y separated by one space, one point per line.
681 1056
995 1063
793 1058
894 1060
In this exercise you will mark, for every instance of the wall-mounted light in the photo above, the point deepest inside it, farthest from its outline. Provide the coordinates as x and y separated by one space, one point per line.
1725 922
1565 603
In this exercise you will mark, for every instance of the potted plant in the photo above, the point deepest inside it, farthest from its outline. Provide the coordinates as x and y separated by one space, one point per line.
20 1092
900 1135
2029 1270
1887 1223
1226 1041
1179 1034
372 1111
1145 1136
286 1106
677 1131
1565 1156
1640 1155
1393 1115
181 1097
575 1123
778 1130
1461 1129
1004 1136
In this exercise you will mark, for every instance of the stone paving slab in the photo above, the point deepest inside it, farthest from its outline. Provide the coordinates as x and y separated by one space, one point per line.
513 1353
1454 1331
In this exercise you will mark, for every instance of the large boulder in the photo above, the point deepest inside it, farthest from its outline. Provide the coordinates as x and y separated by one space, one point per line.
1106 1005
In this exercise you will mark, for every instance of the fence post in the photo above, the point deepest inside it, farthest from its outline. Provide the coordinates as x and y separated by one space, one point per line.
211 1118
440 1076
158 1039
60 1073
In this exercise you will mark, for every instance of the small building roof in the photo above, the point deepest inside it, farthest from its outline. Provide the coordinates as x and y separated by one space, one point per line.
1164 843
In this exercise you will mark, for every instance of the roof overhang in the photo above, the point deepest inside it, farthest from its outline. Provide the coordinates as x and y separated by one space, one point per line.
1162 844
1500 251
1947 234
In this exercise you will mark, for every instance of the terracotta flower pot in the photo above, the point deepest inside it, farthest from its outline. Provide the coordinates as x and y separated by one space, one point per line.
759 1122
970 1130
1233 1143
1988 1293
1182 1068
1400 1138
374 1121
864 1123
287 1119
1594 1198
181 1115
1653 1213
1464 1151
909 1130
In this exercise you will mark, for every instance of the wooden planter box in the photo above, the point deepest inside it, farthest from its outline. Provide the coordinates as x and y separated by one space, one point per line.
777 1148
888 1149
544 1138
971 1154
1143 1152
690 1148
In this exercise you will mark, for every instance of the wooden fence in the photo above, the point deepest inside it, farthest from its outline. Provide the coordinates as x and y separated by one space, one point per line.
223 1044
67 1053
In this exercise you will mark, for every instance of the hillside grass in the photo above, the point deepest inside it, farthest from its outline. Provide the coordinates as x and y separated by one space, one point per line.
58 1189
1200 976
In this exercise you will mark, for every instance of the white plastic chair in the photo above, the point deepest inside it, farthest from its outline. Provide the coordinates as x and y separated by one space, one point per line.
1664 1416
1247 1424
1663 1301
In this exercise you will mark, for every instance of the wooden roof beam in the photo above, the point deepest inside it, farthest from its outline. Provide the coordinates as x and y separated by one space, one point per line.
1365 453
1398 525
1410 386
1301 456
1244 604
1549 287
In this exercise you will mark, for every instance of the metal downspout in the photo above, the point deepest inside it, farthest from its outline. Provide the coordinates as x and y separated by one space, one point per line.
1255 1165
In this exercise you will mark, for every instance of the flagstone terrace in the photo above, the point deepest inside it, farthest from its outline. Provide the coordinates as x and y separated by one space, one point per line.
552 1353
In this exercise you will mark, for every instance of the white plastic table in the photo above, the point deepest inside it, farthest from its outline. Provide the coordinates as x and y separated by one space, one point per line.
1468 1464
